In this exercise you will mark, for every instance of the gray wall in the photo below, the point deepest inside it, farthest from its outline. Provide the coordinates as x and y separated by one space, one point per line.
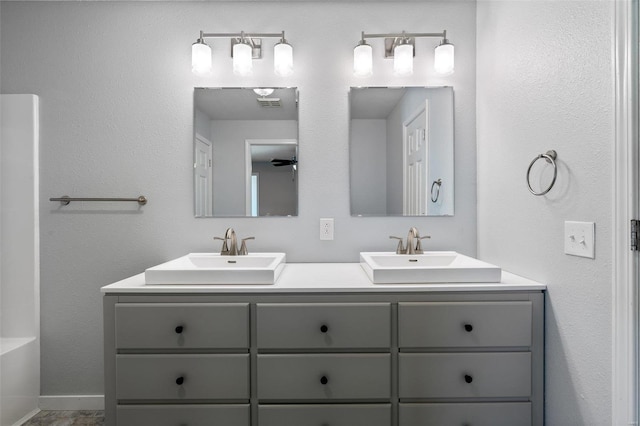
116 95
545 81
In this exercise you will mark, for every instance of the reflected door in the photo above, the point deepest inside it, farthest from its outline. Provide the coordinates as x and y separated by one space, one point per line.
203 176
415 152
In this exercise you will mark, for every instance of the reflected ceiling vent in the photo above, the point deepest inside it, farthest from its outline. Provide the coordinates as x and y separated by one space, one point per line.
269 102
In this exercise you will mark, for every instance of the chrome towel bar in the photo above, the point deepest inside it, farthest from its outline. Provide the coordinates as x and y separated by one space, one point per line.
65 199
550 156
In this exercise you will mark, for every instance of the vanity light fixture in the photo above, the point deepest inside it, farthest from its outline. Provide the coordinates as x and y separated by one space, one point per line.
401 47
245 48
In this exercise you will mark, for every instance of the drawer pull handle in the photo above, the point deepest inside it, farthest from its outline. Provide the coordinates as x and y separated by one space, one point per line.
324 380
179 329
324 328
468 328
180 381
468 378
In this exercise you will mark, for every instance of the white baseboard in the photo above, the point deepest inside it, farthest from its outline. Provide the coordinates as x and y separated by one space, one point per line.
71 402
27 417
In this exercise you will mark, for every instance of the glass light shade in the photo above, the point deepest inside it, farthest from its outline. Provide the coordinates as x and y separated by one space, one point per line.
363 60
283 59
443 61
242 61
200 58
403 60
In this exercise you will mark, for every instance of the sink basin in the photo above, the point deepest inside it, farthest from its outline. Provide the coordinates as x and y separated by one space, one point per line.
430 267
213 268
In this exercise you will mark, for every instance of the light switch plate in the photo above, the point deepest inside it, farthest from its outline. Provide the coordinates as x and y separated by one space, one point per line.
580 239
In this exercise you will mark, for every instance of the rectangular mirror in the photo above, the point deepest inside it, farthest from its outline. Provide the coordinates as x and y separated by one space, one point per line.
401 151
245 157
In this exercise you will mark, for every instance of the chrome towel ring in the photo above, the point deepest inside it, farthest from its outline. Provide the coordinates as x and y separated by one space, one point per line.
550 156
439 183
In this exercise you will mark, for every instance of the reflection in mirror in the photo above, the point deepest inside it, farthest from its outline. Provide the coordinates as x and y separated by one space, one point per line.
401 151
245 152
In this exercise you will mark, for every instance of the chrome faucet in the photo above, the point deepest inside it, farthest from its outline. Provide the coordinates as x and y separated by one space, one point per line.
230 244
414 244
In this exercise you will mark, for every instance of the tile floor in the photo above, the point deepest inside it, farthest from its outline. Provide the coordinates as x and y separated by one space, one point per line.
66 418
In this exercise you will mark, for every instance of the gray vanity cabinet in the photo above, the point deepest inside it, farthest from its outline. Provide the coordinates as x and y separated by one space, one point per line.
316 359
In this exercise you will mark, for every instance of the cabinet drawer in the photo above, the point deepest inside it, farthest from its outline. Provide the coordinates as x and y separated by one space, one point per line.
145 377
480 414
324 377
464 324
325 414
465 375
324 325
193 415
182 325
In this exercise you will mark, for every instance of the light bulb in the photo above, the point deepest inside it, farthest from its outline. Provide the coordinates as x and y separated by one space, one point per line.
200 57
242 61
403 59
363 60
283 59
443 61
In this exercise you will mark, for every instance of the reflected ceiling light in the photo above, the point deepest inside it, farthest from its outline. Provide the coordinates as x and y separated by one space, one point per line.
401 47
263 91
245 48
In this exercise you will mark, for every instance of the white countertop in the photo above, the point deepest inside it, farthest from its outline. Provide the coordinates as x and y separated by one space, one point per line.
322 278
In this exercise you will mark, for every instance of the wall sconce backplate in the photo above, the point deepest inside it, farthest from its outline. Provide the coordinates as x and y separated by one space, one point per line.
256 46
391 42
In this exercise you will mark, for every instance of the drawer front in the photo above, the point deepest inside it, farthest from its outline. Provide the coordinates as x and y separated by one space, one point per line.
192 415
182 325
323 325
325 414
346 376
464 324
465 375
480 414
147 377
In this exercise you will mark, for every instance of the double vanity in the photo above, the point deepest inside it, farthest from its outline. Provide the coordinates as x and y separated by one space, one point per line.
324 344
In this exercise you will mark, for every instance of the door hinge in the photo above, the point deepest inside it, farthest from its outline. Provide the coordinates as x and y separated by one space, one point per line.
635 229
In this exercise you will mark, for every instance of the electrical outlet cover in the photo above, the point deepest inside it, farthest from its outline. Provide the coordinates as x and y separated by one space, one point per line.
326 228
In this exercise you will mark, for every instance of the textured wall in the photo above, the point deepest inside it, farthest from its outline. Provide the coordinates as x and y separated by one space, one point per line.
116 95
545 81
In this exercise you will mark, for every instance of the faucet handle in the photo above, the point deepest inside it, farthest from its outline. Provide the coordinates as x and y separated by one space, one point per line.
419 244
400 249
243 247
225 247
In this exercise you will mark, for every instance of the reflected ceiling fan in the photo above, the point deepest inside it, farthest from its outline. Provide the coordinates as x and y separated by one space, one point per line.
279 162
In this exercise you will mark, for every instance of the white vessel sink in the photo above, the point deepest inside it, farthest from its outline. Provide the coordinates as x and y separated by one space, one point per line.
430 267
213 268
